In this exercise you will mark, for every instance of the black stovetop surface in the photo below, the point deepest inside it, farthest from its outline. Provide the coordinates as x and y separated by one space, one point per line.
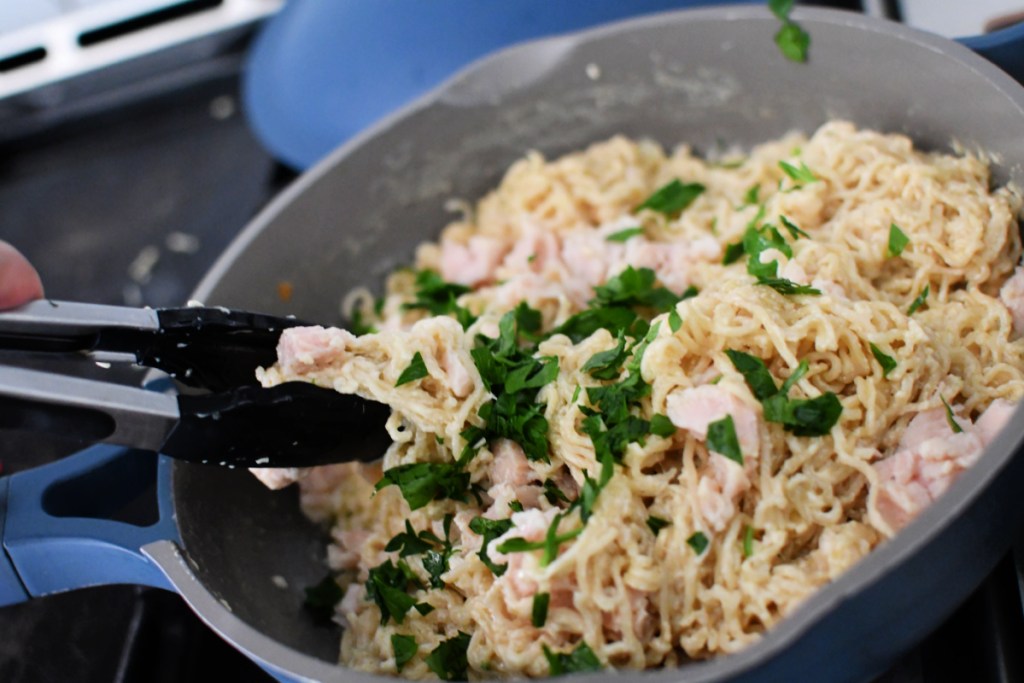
173 174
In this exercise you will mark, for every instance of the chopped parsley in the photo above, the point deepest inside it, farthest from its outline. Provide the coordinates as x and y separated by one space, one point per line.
722 439
733 253
515 506
672 197
322 598
792 40
576 393
656 524
405 649
748 541
919 301
802 416
623 235
410 543
887 362
675 321
898 240
435 561
794 231
438 297
514 376
634 287
662 426
580 659
448 660
417 370
750 198
698 541
387 586
950 417
801 175
758 240
550 544
608 364
788 287
554 494
755 372
423 482
539 614
358 326
490 529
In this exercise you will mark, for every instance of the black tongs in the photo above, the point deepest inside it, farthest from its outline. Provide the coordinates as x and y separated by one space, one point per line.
237 423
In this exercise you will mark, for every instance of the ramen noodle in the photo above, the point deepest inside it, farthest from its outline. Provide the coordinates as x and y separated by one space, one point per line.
644 404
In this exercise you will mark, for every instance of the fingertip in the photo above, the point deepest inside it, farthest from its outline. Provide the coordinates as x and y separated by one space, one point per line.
19 281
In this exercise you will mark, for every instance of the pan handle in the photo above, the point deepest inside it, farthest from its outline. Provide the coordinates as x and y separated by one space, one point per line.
58 528
1004 48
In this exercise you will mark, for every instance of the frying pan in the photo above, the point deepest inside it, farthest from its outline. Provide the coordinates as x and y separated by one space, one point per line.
702 76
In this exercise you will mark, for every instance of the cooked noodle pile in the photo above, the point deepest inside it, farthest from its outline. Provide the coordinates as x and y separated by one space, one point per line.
668 500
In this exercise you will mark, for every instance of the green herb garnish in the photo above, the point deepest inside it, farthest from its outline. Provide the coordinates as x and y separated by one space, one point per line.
411 543
387 586
748 541
698 541
801 175
898 240
803 417
722 439
608 364
580 659
554 494
675 321
550 544
405 649
448 660
792 40
490 529
423 482
358 326
733 253
623 235
788 287
435 561
758 240
656 524
513 375
755 372
539 614
950 417
438 297
672 197
919 301
662 426
417 370
515 506
750 198
322 598
887 362
794 231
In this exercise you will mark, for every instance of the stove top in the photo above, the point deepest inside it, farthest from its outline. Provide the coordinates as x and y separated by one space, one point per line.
131 205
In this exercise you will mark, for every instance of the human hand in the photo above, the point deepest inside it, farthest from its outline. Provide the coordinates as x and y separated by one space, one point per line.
19 281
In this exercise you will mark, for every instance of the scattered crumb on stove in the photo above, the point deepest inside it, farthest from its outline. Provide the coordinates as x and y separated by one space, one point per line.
279 581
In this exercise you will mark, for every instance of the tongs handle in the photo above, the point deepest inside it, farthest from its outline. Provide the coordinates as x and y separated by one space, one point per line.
211 347
295 424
